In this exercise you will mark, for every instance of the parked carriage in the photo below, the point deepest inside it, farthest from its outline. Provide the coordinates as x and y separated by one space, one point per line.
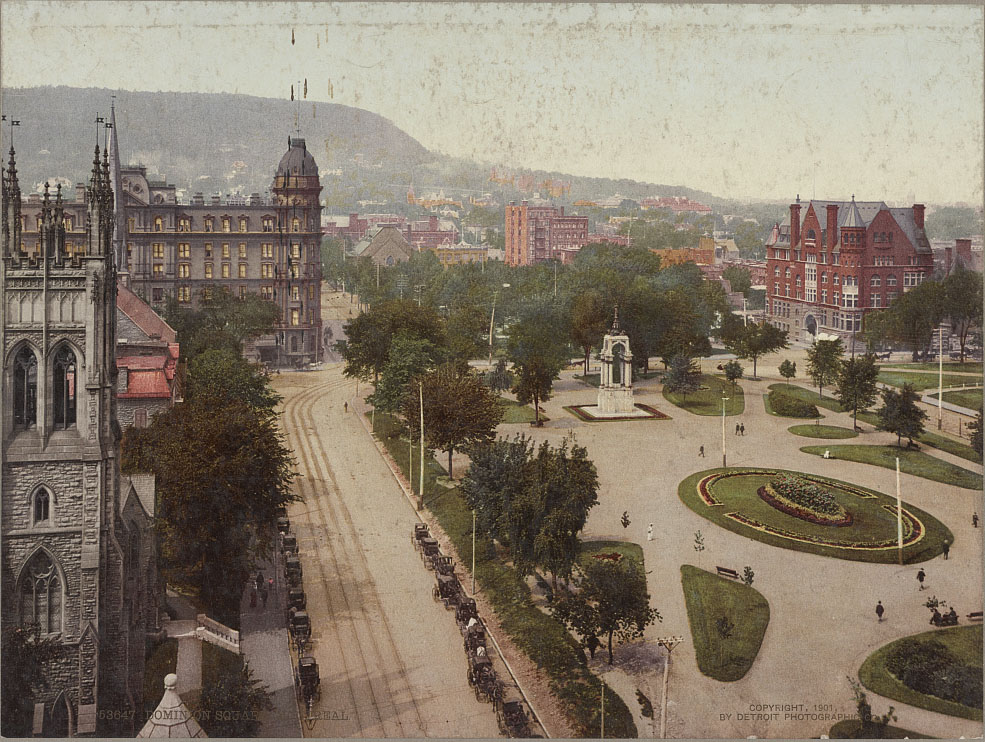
475 637
307 681
442 565
292 568
300 628
512 720
297 599
288 544
482 677
465 611
283 524
280 511
448 590
421 532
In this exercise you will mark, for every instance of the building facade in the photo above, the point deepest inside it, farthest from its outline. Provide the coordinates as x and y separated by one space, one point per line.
538 233
833 261
78 546
265 246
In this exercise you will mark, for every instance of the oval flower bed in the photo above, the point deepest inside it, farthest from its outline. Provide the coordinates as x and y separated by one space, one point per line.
804 499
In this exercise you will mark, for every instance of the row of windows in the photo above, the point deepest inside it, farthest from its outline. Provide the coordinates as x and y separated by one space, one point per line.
268 224
267 292
811 275
63 389
184 270
184 250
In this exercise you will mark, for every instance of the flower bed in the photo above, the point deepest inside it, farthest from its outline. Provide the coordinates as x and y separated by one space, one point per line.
912 532
804 499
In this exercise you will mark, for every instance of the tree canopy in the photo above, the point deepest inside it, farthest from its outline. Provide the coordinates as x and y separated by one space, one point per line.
857 389
752 341
899 413
824 362
538 353
366 348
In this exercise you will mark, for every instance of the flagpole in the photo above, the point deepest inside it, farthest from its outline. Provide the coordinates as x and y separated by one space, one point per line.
899 514
420 494
940 377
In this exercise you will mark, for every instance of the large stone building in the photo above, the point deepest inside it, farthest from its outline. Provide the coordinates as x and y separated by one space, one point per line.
78 557
833 261
538 233
266 246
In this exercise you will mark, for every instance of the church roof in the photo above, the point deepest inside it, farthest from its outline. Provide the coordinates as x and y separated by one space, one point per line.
144 486
171 718
384 237
297 160
141 314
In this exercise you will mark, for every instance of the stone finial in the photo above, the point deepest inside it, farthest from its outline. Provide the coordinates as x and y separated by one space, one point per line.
615 320
170 681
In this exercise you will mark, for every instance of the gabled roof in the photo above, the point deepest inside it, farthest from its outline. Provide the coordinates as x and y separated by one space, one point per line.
144 487
860 214
853 218
145 318
386 236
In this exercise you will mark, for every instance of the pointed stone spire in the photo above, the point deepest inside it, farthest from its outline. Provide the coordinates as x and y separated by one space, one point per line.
171 718
116 185
615 322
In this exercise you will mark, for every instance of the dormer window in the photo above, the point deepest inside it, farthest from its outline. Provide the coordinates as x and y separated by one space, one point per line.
209 224
226 221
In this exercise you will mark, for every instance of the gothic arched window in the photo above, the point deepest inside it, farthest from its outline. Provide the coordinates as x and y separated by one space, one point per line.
63 388
25 389
42 507
40 594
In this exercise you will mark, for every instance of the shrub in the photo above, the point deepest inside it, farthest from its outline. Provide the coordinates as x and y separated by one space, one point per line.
930 667
789 406
805 493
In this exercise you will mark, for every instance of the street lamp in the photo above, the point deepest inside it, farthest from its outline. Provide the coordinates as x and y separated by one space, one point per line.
492 318
724 400
668 643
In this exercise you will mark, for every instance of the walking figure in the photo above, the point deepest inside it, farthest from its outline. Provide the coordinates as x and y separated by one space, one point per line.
921 576
742 429
259 580
263 596
737 428
880 610
345 406
593 644
701 451
974 520
947 548
649 533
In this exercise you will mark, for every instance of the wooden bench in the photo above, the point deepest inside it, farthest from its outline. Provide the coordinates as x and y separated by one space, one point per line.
726 572
975 616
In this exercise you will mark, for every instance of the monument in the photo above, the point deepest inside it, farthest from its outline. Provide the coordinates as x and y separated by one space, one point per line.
616 384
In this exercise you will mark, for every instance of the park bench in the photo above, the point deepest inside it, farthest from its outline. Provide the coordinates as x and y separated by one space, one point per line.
726 572
975 616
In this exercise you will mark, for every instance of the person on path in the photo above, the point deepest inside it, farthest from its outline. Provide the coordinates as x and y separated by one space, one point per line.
936 619
345 406
921 576
263 595
649 533
880 610
974 520
259 580
827 453
742 429
737 428
701 451
593 645
947 548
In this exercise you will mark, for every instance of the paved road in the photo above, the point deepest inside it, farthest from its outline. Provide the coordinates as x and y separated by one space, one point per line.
391 659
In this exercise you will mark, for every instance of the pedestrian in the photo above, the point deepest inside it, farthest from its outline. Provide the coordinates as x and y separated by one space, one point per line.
593 644
345 406
880 610
974 520
649 533
701 451
947 548
737 428
827 453
921 576
742 429
263 595
259 580
270 583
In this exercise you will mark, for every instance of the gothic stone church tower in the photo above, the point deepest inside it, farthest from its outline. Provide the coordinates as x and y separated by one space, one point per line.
77 549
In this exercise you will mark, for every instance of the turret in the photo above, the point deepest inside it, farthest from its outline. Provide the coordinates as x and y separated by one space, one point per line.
853 228
11 209
99 215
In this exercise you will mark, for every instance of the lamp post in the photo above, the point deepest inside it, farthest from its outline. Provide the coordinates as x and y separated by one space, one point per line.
724 400
668 643
492 318
940 376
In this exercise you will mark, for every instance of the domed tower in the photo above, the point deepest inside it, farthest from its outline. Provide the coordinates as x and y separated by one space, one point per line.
297 286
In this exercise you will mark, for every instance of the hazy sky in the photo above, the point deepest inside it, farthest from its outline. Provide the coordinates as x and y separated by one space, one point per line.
885 102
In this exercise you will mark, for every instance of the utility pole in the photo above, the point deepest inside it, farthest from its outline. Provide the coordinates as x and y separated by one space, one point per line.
420 493
667 643
899 515
473 553
724 400
940 377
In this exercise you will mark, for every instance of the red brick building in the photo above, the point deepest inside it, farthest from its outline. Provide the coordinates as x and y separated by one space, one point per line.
353 228
833 261
538 233
426 235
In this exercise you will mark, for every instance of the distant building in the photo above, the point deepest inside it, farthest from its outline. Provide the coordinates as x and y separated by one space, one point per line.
461 254
698 256
962 254
538 233
385 246
350 227
833 261
430 232
677 204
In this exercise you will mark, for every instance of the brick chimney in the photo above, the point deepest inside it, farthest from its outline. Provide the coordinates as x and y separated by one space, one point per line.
918 215
832 226
962 252
947 260
562 211
795 223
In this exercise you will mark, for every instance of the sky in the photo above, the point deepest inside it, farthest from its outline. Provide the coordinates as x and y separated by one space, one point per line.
744 101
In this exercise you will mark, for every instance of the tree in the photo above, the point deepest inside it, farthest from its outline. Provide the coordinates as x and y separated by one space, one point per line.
963 303
25 654
857 389
366 348
915 314
459 410
870 727
223 321
467 328
611 600
409 356
233 703
975 426
739 278
588 317
683 376
733 372
899 413
500 378
221 376
824 362
752 341
538 354
788 369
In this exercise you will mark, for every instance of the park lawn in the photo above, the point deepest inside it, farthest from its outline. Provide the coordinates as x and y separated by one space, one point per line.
873 522
970 398
628 549
809 395
708 598
830 432
514 412
708 400
920 382
161 661
973 367
964 641
935 440
542 638
911 462
849 729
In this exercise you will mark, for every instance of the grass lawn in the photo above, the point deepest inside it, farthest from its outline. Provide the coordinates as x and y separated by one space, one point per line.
628 549
924 381
974 367
514 412
873 526
823 431
970 398
911 462
850 729
964 641
809 395
708 401
935 440
162 660
541 637
709 598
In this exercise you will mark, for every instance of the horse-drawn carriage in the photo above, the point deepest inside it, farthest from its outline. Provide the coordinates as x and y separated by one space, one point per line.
288 543
442 565
512 719
306 681
475 637
429 550
465 611
300 627
283 525
297 599
421 532
448 590
292 568
482 677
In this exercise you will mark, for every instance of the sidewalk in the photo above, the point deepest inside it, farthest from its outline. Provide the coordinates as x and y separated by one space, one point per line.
265 645
188 666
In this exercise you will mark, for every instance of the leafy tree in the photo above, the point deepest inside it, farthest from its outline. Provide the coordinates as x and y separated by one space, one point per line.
899 413
870 727
25 654
733 372
752 341
588 317
467 331
878 329
538 354
749 239
963 303
500 378
683 377
234 703
915 314
221 376
409 357
950 222
459 410
788 369
975 426
611 600
368 336
739 278
824 362
857 389
223 321
748 575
